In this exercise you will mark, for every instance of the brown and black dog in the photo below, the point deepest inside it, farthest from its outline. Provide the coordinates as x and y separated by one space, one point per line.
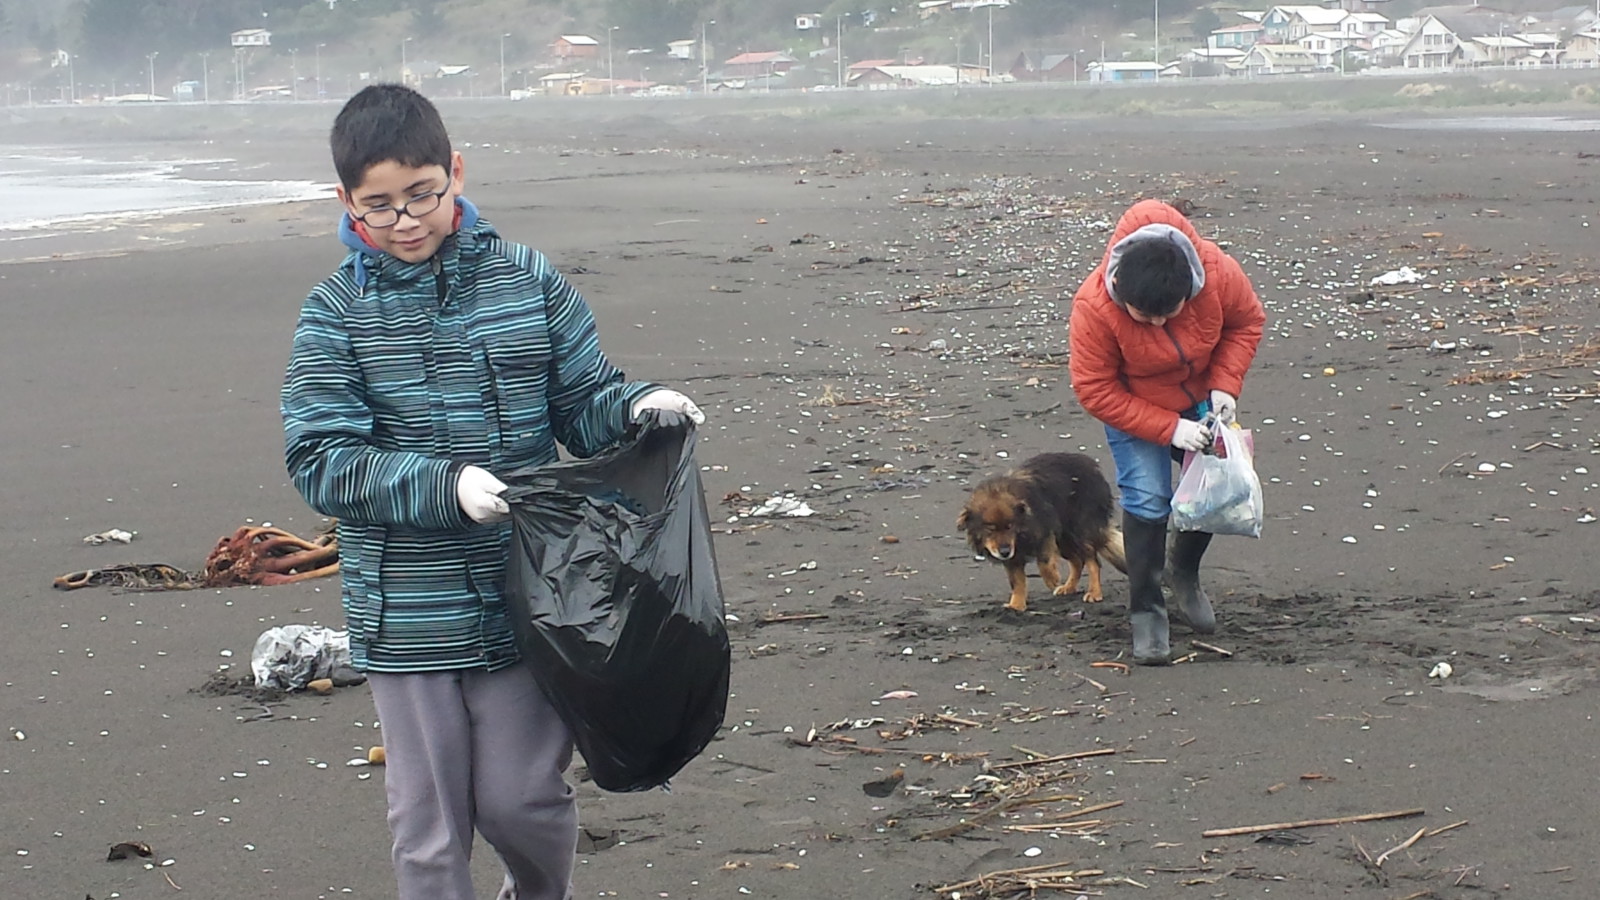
1055 506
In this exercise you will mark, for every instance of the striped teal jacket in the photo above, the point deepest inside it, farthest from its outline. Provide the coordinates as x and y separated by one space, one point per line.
401 374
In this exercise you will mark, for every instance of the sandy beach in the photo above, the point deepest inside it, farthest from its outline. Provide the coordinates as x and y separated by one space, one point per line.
871 306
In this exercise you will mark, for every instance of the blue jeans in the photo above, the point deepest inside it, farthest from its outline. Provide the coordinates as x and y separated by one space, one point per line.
1144 470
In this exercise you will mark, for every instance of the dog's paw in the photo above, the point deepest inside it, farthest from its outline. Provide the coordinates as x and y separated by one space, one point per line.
1093 598
1064 590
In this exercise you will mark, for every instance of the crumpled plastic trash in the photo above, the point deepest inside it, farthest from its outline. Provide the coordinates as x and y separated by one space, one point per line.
109 535
1402 275
289 657
783 506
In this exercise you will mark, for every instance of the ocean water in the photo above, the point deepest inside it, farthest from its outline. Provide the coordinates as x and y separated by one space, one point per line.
41 190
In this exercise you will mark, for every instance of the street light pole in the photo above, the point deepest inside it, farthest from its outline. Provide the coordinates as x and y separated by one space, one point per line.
403 77
205 74
152 58
503 63
319 71
705 72
294 74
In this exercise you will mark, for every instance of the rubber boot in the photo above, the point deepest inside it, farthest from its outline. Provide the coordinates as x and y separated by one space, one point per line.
1183 576
1145 543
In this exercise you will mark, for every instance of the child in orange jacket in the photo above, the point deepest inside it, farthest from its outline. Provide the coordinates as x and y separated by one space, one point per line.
1162 334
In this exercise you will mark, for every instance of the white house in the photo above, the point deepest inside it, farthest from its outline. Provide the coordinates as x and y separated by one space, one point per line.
1325 45
1432 46
1495 49
1584 47
1278 59
1130 71
1287 24
808 21
1386 46
252 37
685 49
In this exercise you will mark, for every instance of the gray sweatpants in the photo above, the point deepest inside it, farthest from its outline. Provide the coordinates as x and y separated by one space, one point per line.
472 749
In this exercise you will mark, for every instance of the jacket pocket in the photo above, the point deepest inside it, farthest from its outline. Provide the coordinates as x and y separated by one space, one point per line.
521 379
401 402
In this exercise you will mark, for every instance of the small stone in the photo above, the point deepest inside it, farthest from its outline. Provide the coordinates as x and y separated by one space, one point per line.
375 756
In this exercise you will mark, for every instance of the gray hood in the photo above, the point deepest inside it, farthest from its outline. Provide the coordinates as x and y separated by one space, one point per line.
1155 232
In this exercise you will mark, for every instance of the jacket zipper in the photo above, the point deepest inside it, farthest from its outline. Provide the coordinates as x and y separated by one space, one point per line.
439 287
1183 358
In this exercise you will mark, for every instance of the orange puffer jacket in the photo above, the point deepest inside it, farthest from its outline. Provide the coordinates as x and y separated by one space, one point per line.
1136 377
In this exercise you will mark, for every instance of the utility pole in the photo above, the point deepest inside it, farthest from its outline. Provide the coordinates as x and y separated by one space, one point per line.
152 58
838 45
1158 40
403 77
705 73
611 81
991 40
294 74
319 71
205 75
503 63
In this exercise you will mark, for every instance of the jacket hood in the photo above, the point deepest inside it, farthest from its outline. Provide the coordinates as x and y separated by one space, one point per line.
363 255
1152 220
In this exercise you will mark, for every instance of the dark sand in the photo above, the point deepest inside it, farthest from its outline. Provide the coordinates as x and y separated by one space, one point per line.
791 273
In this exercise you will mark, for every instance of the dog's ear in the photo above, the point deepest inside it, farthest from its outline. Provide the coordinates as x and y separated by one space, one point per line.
1021 509
961 520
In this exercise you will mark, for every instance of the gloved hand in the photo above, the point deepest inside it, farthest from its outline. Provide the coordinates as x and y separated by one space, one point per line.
1191 435
1224 406
671 401
479 492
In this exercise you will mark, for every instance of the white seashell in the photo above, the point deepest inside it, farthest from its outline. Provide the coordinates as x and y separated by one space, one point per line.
1441 671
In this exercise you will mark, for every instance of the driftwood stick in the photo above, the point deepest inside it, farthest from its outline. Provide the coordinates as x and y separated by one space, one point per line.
1211 648
1396 849
1053 759
1443 828
1312 823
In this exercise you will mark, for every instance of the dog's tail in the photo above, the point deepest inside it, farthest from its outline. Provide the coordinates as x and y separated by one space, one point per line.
1112 552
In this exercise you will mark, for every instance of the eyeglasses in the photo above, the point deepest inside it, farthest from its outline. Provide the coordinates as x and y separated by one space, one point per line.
416 208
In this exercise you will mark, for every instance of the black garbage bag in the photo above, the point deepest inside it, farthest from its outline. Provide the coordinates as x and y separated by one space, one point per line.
613 590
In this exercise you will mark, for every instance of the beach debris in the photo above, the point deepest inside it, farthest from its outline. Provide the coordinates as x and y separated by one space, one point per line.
782 506
1284 838
110 535
1313 823
1402 275
898 695
290 657
1028 882
129 850
883 787
376 756
251 555
1441 671
270 556
133 576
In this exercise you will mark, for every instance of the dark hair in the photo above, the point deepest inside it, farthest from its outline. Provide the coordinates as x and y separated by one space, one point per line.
383 123
1153 277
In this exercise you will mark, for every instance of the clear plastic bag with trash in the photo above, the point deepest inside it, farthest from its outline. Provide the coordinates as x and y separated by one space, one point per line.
289 657
1219 491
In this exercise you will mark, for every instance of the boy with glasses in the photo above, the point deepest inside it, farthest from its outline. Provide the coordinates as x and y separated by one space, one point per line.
437 354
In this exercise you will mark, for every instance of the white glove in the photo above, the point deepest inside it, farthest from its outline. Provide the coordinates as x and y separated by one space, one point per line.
1224 406
479 492
1191 435
671 401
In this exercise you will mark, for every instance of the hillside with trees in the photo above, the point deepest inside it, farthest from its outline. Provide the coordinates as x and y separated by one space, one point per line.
112 41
